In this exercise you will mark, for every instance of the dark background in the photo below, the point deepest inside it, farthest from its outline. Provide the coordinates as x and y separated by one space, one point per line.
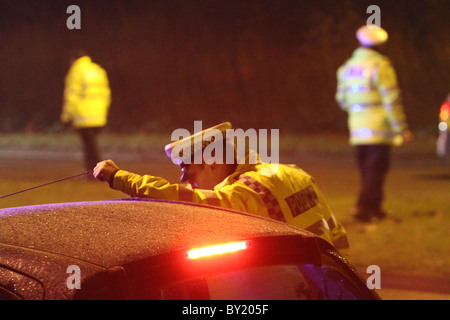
256 63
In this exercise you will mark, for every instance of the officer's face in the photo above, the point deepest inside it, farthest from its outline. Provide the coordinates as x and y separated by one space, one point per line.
203 176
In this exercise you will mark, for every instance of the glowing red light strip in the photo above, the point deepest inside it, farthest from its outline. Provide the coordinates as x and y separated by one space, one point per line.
217 249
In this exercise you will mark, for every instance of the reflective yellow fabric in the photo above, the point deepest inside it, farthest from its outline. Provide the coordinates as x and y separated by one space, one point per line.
282 192
87 95
368 90
261 189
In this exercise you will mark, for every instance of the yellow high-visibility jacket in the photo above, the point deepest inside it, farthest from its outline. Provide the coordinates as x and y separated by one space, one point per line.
368 90
282 192
87 95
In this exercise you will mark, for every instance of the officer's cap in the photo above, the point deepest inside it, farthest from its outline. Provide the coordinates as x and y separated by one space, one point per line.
372 36
182 152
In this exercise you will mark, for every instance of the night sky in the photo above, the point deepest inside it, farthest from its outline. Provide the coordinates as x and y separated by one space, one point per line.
266 64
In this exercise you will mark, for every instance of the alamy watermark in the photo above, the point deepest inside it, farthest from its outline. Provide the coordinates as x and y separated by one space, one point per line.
74 20
230 147
74 280
374 280
374 21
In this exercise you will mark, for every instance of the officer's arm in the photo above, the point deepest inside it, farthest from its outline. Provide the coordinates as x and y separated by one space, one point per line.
391 97
68 105
340 90
147 186
71 96
232 197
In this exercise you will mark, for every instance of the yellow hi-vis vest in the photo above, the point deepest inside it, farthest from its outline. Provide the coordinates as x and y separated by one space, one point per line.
368 90
281 192
87 95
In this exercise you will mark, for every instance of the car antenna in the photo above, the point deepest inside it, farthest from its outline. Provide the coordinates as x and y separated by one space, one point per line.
45 184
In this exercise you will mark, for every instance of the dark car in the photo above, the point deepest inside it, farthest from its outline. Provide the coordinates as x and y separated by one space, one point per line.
141 249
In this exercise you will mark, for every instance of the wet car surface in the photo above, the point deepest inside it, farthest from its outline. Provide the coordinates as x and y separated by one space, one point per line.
140 249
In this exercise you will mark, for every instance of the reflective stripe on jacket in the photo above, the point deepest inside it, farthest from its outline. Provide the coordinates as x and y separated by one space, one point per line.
87 95
368 90
282 192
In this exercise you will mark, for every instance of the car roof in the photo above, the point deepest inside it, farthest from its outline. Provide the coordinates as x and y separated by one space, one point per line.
116 232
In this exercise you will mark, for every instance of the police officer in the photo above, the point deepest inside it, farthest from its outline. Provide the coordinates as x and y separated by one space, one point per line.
281 192
87 98
368 91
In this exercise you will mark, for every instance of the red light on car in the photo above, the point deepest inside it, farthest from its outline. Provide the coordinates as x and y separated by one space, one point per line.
217 249
445 110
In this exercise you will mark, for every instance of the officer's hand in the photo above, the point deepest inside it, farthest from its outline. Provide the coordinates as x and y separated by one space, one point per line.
104 170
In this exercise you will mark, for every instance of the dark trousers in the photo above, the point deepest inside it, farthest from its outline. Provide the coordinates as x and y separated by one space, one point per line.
90 146
373 163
